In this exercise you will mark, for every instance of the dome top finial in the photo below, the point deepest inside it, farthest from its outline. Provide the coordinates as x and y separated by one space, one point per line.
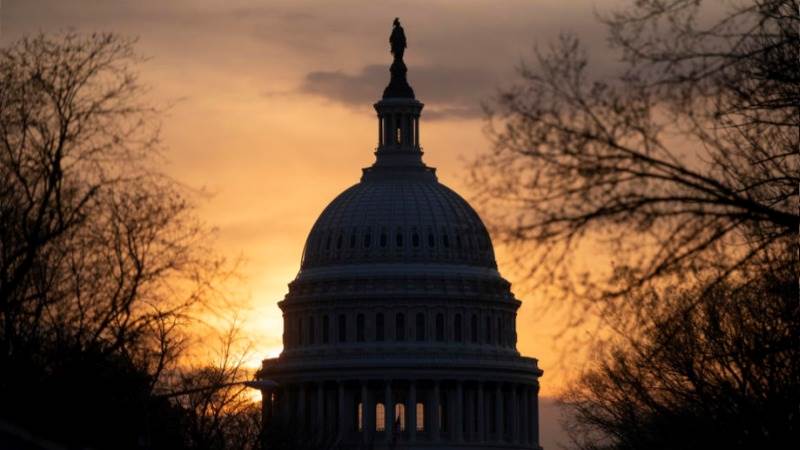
398 40
398 85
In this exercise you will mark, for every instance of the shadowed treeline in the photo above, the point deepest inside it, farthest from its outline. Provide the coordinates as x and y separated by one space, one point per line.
105 272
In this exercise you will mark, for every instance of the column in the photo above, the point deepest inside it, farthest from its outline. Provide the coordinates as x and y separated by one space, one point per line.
406 129
524 425
459 412
411 411
320 425
452 414
481 413
289 404
301 405
388 407
435 421
341 418
285 405
395 125
469 412
534 421
498 412
366 407
267 407
416 131
514 414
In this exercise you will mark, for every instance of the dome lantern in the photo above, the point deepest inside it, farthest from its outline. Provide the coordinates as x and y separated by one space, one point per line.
398 113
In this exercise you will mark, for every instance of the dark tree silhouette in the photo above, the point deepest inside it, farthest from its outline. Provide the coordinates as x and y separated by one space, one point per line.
723 373
223 417
104 267
285 434
684 165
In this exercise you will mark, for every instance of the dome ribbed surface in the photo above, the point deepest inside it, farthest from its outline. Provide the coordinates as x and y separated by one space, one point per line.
398 220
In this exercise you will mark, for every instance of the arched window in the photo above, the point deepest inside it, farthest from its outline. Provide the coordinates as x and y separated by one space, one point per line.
360 328
326 329
380 417
444 413
431 240
311 337
339 242
353 240
399 239
379 327
366 240
342 328
490 410
300 331
440 327
379 332
400 416
400 327
383 239
420 328
360 416
474 329
488 330
457 328
420 417
501 337
415 240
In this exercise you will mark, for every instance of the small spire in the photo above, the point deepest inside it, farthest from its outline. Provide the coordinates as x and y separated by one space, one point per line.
398 85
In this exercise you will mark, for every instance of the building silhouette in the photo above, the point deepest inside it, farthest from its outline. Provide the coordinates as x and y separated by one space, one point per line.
399 332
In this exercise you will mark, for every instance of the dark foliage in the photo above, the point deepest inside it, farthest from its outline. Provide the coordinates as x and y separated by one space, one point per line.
723 373
684 167
104 268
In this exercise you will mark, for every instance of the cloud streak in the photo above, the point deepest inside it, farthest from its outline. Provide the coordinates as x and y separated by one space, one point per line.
450 92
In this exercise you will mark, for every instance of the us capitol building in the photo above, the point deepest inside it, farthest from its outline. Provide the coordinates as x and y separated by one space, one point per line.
399 331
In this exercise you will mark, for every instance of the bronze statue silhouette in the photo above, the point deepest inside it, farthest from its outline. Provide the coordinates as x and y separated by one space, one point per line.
398 85
398 39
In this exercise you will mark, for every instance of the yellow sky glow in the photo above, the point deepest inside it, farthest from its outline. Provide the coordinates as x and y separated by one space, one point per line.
273 154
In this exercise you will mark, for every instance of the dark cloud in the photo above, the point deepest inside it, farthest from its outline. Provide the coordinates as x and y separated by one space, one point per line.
457 56
449 92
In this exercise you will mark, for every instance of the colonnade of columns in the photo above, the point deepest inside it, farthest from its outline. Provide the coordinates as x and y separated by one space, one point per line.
451 411
398 128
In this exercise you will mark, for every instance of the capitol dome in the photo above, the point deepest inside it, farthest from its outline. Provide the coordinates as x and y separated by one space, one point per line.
389 218
399 331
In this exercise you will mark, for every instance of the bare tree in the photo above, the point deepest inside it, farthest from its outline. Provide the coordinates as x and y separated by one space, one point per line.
683 166
224 416
723 374
103 263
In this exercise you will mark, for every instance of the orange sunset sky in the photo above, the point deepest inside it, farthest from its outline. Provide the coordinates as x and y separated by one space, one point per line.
272 110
